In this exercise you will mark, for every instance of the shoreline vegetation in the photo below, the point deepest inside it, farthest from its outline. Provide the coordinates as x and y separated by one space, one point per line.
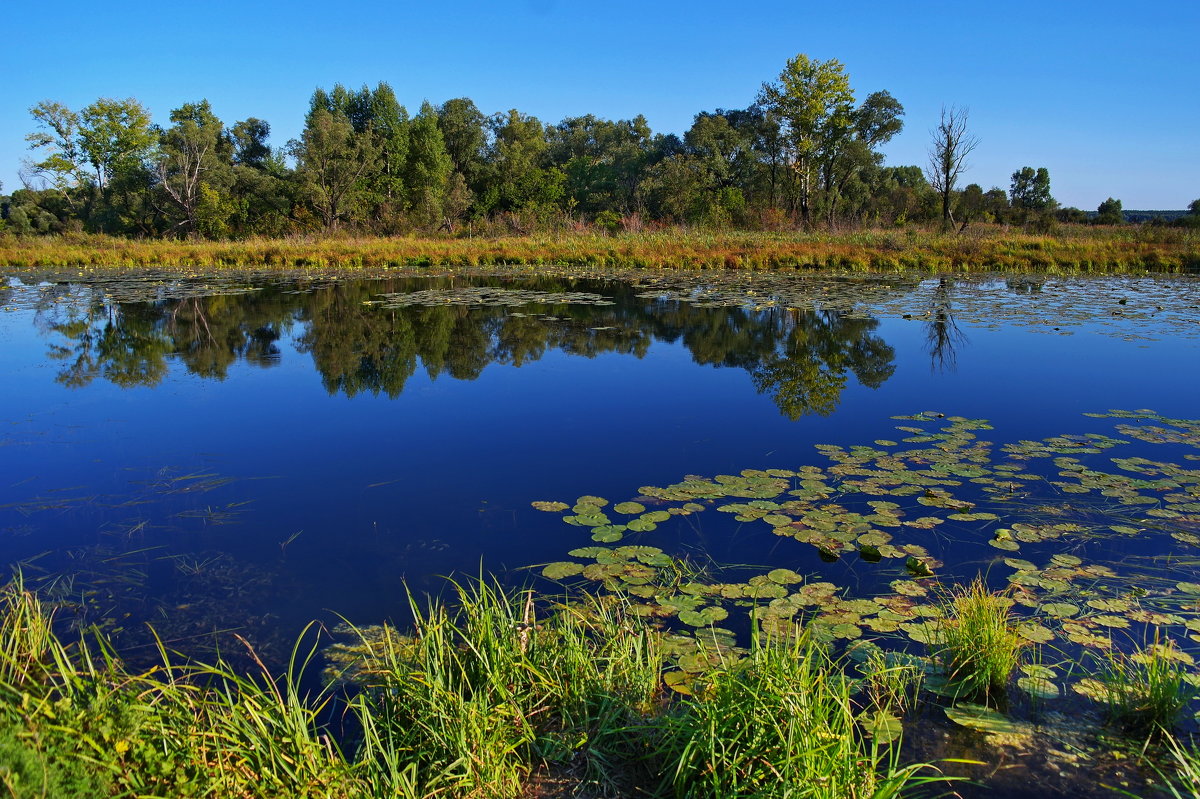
493 694
985 248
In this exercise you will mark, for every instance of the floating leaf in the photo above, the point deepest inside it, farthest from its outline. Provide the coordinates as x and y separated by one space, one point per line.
561 570
1061 610
982 718
884 728
784 576
551 507
629 508
1038 687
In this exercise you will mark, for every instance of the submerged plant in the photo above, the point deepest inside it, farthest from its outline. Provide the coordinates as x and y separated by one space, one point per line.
977 643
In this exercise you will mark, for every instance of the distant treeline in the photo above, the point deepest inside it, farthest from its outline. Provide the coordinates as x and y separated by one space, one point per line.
804 153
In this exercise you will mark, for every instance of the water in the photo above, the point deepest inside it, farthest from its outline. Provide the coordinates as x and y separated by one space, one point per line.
246 454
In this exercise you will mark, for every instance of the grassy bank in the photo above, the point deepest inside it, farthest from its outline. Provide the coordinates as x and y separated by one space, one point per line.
494 698
984 249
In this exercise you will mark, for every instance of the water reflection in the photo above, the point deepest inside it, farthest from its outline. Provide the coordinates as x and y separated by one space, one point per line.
801 358
942 333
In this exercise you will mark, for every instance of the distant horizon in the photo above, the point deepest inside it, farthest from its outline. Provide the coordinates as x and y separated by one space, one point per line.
1072 102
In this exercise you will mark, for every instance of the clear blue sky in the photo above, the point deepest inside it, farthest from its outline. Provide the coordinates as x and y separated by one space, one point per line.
1106 95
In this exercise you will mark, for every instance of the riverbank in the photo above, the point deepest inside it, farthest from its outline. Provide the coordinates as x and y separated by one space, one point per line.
1083 249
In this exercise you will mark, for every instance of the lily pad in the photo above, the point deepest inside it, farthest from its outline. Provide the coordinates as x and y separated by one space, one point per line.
562 570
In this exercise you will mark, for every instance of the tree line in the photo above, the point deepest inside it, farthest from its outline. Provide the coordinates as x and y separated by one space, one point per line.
804 154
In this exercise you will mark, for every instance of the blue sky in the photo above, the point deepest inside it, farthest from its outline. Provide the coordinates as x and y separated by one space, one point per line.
1103 94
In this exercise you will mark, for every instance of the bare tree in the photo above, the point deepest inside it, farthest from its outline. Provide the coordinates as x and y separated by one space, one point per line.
948 155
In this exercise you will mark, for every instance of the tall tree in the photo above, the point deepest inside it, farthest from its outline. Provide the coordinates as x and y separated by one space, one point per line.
429 168
330 162
195 170
815 104
873 124
115 136
948 152
62 165
1110 213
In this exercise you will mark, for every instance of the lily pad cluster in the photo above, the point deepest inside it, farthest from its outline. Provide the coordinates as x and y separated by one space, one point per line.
899 507
1127 307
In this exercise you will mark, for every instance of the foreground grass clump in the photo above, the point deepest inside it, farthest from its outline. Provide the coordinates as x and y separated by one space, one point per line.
778 724
987 249
483 693
74 722
490 698
978 645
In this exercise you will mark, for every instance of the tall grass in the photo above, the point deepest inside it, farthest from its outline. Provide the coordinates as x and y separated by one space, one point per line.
481 693
977 642
482 699
779 724
1146 692
872 250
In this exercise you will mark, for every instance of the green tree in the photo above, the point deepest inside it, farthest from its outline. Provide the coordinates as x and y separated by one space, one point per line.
429 168
873 124
1109 213
195 171
464 131
62 165
115 136
520 177
815 106
1030 191
331 161
1194 208
250 148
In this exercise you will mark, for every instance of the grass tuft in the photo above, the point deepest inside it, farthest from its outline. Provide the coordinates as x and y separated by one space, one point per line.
978 644
1146 692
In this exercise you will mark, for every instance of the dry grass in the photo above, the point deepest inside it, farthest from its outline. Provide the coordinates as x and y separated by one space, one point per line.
1075 250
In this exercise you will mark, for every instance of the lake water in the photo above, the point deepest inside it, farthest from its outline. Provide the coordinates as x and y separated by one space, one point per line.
251 452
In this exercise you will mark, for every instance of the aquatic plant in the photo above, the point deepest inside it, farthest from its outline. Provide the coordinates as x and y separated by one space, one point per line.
977 643
779 723
1145 692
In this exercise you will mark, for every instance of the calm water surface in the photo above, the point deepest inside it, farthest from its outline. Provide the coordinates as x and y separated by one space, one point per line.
281 448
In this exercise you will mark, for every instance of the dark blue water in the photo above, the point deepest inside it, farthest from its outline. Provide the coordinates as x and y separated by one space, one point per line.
212 461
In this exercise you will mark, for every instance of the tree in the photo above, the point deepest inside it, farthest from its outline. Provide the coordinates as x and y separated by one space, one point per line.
115 136
948 156
195 169
1194 208
63 165
874 123
1109 213
250 146
1030 190
428 171
520 177
815 105
330 161
464 131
